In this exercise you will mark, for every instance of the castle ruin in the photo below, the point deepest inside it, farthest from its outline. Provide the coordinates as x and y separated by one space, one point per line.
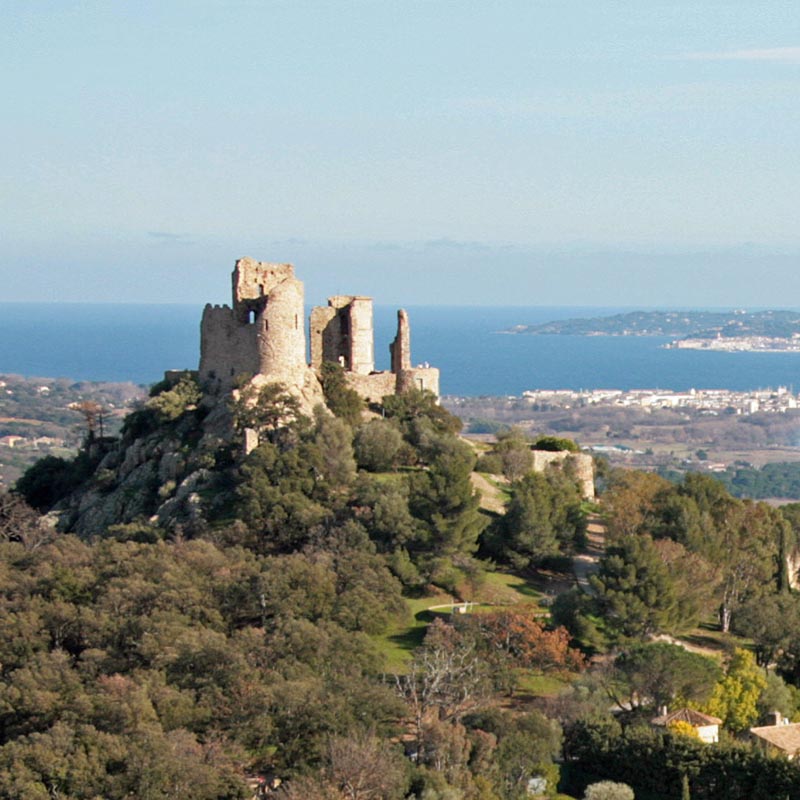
262 336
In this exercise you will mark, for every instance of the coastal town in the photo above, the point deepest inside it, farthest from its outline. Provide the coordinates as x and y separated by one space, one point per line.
708 401
740 344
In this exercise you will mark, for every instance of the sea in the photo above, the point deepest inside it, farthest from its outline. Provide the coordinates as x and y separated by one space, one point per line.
119 342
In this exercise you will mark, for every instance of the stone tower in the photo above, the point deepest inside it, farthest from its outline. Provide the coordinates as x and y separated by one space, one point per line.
342 332
263 333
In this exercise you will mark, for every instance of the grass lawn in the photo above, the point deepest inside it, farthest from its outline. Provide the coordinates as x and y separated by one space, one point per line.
503 588
502 486
535 684
398 642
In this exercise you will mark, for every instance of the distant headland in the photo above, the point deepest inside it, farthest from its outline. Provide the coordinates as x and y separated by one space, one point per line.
737 330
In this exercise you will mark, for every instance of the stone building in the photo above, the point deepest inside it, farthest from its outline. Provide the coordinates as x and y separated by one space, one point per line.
262 336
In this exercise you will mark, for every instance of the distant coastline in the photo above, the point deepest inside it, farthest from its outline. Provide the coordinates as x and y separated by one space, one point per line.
756 331
99 342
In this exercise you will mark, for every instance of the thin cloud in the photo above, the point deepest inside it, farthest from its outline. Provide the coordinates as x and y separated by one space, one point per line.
785 55
169 236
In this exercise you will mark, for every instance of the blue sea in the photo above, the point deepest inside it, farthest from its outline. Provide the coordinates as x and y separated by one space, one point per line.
138 342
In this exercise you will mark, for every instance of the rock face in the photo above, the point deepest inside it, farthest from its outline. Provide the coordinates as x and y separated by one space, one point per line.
164 476
580 463
262 334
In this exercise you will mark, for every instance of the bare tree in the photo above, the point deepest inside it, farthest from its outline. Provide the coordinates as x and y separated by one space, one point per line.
20 523
363 767
445 680
93 414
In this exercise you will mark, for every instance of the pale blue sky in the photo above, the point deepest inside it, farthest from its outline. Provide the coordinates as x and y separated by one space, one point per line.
526 152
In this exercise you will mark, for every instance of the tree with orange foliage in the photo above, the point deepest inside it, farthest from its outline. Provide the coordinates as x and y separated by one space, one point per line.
516 637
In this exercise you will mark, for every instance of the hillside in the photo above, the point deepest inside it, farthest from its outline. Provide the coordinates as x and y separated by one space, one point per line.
335 603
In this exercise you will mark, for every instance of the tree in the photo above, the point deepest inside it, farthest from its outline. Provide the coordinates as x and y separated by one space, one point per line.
343 401
634 589
516 635
20 523
334 440
544 518
527 746
746 548
696 581
777 695
93 414
773 623
555 444
418 413
514 450
630 502
446 679
364 767
608 790
265 409
377 444
171 404
735 697
659 674
443 498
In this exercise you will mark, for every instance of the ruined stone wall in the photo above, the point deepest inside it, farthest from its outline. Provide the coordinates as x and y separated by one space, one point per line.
400 348
252 279
425 379
263 334
324 333
373 388
582 464
362 346
228 348
342 333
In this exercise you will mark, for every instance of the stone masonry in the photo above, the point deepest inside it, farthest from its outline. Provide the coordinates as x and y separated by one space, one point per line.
582 463
261 336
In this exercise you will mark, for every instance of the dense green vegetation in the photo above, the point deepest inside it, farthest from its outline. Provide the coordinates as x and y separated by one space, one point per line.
291 626
161 662
771 480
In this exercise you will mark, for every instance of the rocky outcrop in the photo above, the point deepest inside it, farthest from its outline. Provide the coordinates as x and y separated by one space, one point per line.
157 478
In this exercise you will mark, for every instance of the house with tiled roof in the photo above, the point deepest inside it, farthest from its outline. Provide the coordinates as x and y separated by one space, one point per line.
780 738
706 726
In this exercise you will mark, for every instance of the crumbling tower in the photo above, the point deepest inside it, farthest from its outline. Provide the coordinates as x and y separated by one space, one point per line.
400 348
342 332
262 334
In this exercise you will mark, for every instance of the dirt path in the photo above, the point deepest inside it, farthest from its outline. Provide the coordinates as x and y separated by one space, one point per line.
586 564
492 497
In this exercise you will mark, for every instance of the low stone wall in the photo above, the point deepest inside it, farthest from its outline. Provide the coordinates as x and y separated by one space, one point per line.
582 463
373 388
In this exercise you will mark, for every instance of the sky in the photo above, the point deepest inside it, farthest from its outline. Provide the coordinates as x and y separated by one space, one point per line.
423 152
